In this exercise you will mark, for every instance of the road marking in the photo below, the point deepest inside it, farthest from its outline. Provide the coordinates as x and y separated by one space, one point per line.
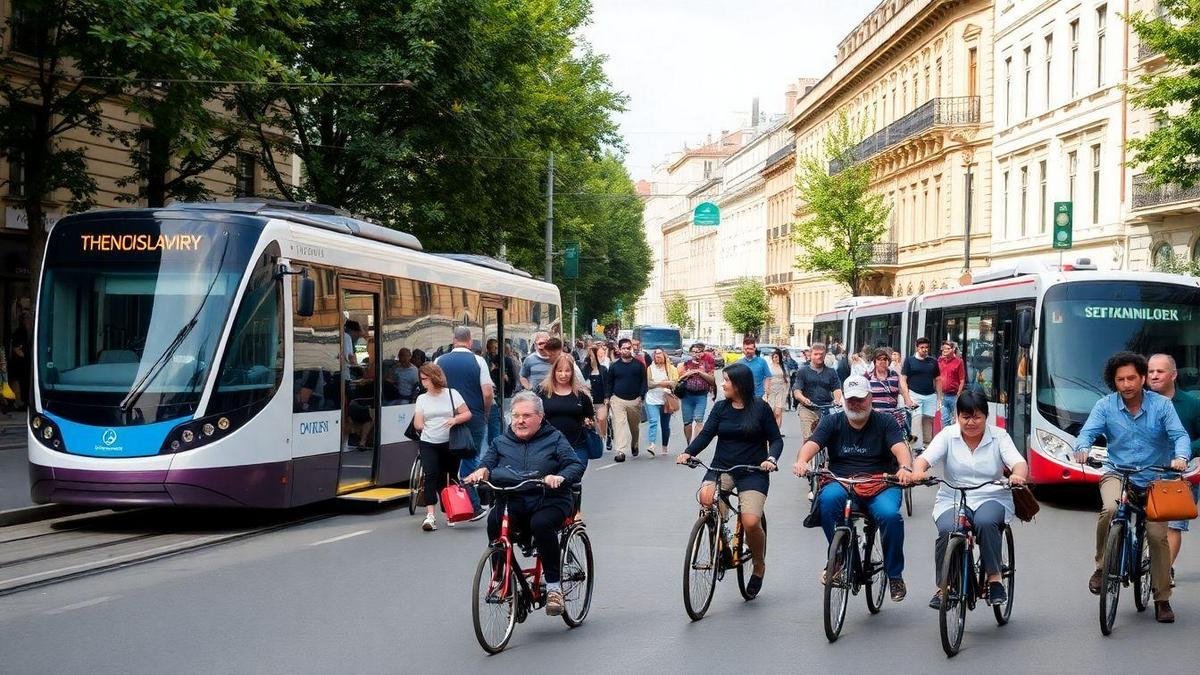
81 605
344 536
605 468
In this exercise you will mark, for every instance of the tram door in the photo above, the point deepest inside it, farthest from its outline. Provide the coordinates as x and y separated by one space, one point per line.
494 354
361 382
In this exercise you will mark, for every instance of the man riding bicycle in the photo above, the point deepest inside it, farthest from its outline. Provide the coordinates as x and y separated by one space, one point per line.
746 433
815 386
1142 429
532 447
863 441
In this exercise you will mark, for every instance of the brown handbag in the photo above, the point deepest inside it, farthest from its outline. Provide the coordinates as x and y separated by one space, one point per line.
1025 505
1170 500
670 403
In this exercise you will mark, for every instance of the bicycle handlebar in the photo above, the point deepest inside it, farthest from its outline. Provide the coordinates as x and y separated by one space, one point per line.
884 477
934 480
1129 469
514 488
693 463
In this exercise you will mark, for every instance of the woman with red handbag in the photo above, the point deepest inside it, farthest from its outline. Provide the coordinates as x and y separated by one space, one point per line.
437 410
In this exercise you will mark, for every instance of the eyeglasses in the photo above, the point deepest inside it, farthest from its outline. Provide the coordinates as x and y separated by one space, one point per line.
517 416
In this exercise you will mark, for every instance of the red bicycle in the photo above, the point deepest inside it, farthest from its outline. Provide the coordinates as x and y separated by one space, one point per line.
503 593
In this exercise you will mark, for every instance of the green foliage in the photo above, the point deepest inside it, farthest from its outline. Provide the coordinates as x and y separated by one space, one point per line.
747 310
678 312
1171 150
1177 264
847 219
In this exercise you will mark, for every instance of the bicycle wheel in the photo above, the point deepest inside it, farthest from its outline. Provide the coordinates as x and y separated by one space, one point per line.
1110 584
908 501
1141 578
952 615
1008 576
493 612
874 571
745 557
700 568
416 483
837 584
577 575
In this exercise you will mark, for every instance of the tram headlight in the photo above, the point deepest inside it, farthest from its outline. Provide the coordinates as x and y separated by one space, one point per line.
223 424
187 436
37 422
44 430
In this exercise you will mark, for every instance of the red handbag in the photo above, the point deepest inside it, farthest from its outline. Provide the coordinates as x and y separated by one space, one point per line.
456 503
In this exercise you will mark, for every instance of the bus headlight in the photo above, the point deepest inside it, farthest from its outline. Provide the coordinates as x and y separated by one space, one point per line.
1053 445
45 431
48 433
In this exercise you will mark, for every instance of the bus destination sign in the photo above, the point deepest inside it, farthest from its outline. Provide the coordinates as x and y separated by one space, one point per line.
1138 313
139 242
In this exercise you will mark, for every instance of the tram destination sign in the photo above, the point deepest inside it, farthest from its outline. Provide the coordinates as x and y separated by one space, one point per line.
1137 313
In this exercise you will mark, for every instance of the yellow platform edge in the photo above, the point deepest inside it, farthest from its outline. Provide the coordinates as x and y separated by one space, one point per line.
377 495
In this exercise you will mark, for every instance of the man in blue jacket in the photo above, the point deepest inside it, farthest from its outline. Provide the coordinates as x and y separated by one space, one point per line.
758 365
532 448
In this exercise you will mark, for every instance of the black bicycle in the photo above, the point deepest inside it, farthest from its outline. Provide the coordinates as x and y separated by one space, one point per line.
855 560
962 580
823 410
1126 557
712 549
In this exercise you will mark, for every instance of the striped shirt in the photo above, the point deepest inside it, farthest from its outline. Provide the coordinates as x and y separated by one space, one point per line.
885 393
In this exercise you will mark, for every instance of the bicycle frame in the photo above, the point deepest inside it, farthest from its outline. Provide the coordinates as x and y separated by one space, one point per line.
849 522
1133 535
721 498
530 579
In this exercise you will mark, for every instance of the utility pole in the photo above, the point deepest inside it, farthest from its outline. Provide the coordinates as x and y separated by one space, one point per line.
550 222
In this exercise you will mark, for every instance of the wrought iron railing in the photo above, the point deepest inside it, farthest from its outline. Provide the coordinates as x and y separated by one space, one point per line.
934 112
1145 52
884 253
1146 195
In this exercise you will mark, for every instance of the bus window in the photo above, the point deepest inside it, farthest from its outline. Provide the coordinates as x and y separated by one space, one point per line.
316 341
405 310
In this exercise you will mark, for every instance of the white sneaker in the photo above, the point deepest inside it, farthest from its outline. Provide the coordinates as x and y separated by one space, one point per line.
429 525
449 523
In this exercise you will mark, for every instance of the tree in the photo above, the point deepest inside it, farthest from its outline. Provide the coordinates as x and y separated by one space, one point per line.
1178 264
52 47
747 310
1171 151
847 218
679 313
173 84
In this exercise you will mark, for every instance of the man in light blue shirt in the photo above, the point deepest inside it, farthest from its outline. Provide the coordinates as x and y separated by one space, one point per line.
758 366
1142 429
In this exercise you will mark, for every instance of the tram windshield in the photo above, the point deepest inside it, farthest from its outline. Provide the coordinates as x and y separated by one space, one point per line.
131 313
1084 323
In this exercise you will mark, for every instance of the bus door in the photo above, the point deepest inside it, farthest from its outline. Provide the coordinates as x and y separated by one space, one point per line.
1013 375
361 380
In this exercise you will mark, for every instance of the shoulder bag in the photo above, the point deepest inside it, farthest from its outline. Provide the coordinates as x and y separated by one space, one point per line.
1025 505
462 443
595 445
670 403
1170 500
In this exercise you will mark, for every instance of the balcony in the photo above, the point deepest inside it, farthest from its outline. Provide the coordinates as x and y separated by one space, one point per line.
884 253
935 112
1145 52
1146 196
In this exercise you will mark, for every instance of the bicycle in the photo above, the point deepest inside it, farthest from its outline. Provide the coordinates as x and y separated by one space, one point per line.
905 429
416 486
1126 557
503 593
963 579
854 561
712 550
823 410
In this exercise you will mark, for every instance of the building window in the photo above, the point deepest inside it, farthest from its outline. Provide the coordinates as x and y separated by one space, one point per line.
972 72
1072 171
1004 204
1042 216
1028 76
244 183
1049 68
1101 24
1024 197
1007 89
1162 253
1074 58
937 79
1096 184
16 173
708 165
27 32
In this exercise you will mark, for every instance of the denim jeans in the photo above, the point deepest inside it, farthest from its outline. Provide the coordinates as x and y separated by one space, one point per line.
883 507
478 427
948 401
494 421
654 420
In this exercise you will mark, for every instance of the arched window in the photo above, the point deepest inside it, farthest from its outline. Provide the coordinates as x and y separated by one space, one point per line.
1162 253
1196 251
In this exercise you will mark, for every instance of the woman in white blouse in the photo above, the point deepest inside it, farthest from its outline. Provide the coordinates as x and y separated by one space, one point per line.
973 452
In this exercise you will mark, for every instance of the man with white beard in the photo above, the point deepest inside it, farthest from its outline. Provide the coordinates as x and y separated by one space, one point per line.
862 442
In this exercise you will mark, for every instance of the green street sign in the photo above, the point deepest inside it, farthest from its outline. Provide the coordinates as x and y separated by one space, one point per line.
706 213
1061 232
571 262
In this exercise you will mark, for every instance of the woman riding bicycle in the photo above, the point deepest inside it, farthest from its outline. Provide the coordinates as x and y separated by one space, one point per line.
974 452
885 388
746 433
532 447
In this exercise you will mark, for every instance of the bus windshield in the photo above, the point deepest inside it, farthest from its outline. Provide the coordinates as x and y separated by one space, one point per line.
135 305
1084 323
667 339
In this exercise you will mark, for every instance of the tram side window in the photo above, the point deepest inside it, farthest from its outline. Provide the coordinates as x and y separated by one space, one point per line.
978 350
316 341
252 367
519 329
406 314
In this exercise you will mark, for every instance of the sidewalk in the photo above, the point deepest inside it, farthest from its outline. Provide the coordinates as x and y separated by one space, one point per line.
14 472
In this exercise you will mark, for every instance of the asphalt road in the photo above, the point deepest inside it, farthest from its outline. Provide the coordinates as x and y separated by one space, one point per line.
371 592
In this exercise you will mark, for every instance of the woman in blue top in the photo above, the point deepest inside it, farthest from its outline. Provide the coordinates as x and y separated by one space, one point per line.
746 433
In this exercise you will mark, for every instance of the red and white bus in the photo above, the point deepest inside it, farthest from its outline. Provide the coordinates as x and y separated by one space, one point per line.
1035 339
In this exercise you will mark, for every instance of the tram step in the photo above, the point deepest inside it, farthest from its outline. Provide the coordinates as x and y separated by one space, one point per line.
377 495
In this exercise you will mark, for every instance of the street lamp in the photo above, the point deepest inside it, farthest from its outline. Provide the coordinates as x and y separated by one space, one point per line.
969 185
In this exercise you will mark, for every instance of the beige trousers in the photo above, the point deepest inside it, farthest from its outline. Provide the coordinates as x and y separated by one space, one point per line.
1156 537
626 420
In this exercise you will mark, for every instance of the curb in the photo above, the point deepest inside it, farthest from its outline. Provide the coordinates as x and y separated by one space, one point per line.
30 514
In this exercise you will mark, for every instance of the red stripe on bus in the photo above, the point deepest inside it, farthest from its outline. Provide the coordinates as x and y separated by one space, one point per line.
979 290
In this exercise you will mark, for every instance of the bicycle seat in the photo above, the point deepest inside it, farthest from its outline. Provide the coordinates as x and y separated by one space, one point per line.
863 516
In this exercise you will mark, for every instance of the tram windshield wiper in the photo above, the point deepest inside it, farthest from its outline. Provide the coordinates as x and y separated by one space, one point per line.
144 382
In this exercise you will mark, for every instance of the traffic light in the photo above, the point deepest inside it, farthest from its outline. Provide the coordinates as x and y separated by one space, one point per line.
1062 225
571 262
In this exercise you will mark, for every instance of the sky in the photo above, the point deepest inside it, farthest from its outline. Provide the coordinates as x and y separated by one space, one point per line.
690 67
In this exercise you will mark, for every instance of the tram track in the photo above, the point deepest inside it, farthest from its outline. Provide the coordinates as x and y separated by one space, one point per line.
36 555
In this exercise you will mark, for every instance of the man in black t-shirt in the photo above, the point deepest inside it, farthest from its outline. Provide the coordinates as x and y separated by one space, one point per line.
863 441
815 385
921 380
